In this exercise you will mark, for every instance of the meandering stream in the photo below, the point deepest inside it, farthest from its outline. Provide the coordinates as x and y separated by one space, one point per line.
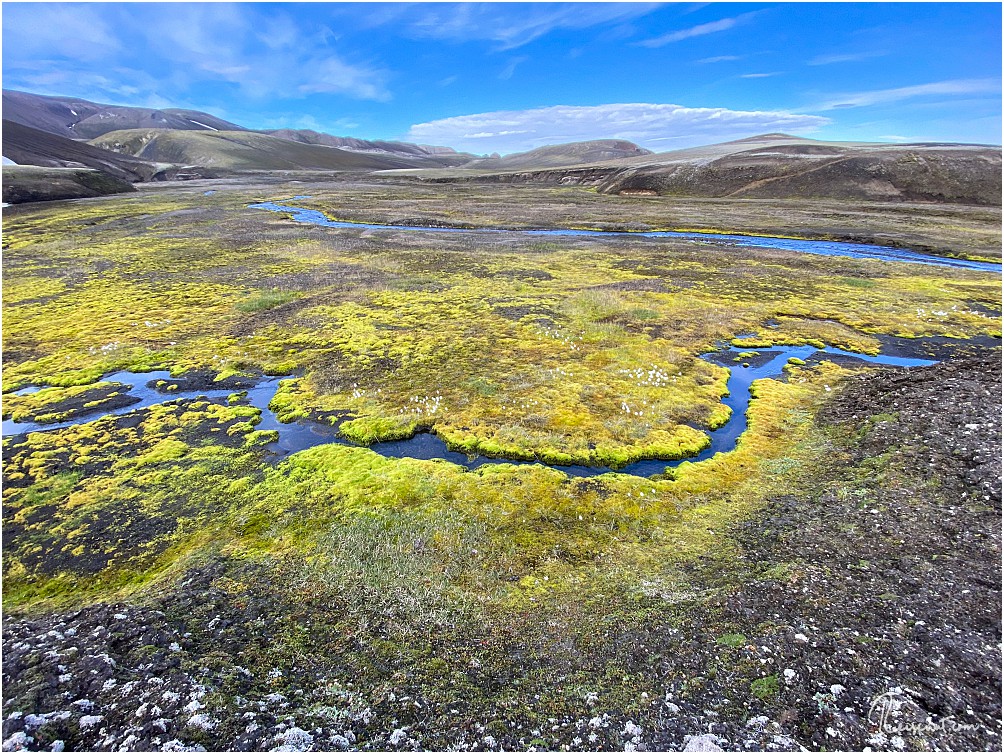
822 248
293 437
424 445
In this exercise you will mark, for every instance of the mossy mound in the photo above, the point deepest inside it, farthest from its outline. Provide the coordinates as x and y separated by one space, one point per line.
27 183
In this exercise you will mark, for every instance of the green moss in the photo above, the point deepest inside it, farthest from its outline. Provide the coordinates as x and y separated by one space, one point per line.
165 450
780 572
267 300
38 406
378 429
765 688
569 352
732 640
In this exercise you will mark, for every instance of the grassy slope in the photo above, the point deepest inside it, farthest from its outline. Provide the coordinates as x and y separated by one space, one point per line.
240 150
579 152
29 146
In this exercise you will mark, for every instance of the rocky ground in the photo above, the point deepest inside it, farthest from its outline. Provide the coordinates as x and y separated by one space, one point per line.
887 583
863 615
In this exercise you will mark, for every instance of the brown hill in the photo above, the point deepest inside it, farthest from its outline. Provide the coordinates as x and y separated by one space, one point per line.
29 183
573 153
776 166
80 119
442 156
30 146
239 150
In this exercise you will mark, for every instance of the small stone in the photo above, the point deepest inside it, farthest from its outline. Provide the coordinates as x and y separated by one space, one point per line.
704 742
398 737
17 742
293 739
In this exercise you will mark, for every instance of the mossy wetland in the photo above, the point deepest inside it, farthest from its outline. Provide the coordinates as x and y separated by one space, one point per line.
403 603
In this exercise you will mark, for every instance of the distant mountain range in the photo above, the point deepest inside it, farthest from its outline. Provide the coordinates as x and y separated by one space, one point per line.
779 166
79 119
140 144
574 153
198 139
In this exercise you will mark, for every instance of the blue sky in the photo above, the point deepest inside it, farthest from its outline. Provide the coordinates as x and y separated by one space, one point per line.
512 76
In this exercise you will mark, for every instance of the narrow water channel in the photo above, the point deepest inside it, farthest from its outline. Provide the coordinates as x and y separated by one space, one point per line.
822 248
768 363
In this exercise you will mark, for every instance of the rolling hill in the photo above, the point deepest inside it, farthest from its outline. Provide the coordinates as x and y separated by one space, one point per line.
441 155
239 150
77 118
29 146
137 144
29 183
778 166
573 153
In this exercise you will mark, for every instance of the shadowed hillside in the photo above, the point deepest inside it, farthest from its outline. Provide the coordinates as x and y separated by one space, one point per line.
29 146
28 183
80 119
574 153
777 166
442 155
240 150
143 144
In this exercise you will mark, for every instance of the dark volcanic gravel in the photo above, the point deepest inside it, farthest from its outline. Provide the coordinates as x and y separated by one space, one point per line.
888 582
865 613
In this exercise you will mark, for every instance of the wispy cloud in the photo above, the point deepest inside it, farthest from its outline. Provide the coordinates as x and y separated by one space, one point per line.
78 31
106 51
759 75
954 87
720 59
497 23
845 57
506 73
700 30
644 123
309 123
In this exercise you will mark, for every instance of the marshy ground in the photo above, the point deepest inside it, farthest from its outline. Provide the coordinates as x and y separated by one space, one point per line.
168 583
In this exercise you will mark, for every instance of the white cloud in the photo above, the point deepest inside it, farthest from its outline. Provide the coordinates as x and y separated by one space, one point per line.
333 76
496 22
77 31
720 59
886 96
114 85
700 30
506 73
847 57
758 75
309 123
264 54
645 124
